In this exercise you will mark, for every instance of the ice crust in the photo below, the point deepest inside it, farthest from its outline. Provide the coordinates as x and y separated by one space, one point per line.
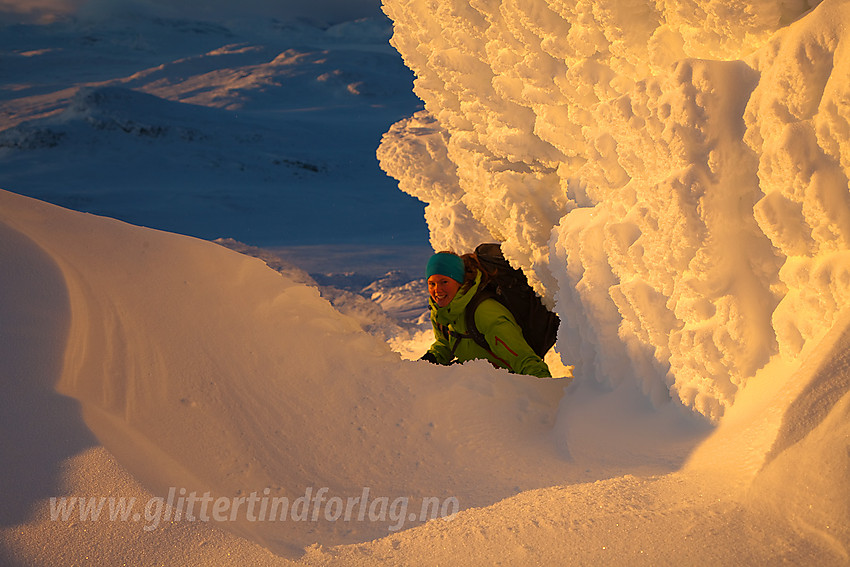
672 176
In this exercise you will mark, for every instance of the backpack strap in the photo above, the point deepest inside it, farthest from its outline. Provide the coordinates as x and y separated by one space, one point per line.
472 331
448 333
469 314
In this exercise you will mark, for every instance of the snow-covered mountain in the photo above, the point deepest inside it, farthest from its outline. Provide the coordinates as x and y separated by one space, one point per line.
672 176
264 134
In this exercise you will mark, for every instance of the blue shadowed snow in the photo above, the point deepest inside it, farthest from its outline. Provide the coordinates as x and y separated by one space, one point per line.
265 136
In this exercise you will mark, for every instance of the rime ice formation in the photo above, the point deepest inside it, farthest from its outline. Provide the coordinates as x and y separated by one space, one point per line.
673 176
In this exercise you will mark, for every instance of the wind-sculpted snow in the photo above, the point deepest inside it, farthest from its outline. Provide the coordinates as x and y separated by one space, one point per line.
202 368
672 176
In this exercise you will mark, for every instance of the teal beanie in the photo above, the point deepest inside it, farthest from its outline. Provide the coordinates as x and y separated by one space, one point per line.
446 264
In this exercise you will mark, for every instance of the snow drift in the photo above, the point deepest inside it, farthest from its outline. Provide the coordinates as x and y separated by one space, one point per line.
672 176
183 367
204 369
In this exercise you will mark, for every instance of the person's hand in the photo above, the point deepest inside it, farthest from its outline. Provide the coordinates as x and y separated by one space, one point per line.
429 356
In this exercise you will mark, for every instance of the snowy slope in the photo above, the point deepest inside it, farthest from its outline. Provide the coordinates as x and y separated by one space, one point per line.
201 368
673 177
183 368
263 131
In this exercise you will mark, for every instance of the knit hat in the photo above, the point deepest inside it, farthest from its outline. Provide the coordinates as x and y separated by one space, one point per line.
446 264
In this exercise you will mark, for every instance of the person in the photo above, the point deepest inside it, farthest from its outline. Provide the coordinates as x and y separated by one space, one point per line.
452 282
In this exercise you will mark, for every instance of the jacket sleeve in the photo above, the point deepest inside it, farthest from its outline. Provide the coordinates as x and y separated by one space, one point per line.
506 342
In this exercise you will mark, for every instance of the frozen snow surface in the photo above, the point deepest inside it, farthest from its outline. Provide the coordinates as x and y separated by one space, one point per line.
672 176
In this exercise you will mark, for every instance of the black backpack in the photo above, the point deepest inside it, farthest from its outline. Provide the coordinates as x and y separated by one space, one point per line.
510 287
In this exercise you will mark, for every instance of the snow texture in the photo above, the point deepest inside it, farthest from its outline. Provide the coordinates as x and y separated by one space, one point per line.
673 176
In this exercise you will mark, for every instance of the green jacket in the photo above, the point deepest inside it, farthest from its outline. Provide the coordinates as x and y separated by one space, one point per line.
509 349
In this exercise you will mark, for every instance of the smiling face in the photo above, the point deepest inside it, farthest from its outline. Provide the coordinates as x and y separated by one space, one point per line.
442 289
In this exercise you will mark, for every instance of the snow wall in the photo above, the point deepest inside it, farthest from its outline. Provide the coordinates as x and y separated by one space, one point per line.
672 175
